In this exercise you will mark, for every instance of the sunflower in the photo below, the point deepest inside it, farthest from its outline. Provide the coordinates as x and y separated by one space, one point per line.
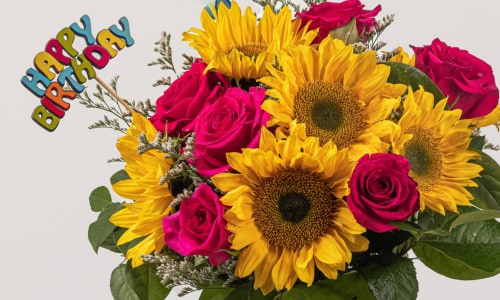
238 46
333 94
287 215
435 141
143 217
403 57
493 118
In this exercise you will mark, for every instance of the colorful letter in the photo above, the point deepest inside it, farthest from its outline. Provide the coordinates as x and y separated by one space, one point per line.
107 39
67 76
84 65
44 62
125 33
36 79
103 55
55 49
66 37
52 108
45 118
85 31
55 93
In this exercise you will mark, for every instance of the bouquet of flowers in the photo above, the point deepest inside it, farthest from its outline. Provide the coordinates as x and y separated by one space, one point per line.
294 158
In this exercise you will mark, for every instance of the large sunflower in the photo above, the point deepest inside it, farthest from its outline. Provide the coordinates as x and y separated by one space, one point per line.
287 215
435 141
239 46
333 94
142 217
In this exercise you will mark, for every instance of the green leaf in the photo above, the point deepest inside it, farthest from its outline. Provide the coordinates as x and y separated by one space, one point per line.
99 198
140 283
110 242
470 251
102 228
247 291
392 277
351 285
347 33
409 75
487 194
346 287
410 227
121 287
477 142
314 292
434 223
475 216
119 176
215 293
156 290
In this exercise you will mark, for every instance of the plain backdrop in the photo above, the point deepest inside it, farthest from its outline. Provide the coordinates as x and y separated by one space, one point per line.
46 178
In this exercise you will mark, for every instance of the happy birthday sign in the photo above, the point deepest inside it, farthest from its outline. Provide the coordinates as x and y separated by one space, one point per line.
60 64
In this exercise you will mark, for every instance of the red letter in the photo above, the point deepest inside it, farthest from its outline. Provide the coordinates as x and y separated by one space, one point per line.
55 49
103 56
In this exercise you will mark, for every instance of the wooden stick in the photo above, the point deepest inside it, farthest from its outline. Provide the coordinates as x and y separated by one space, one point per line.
114 94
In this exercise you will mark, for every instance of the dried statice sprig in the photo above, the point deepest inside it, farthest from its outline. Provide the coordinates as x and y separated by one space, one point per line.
384 56
143 107
100 100
490 146
103 100
182 173
188 61
369 39
277 5
180 197
165 61
194 271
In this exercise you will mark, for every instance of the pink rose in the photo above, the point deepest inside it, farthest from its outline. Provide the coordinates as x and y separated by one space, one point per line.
466 80
382 191
198 228
232 122
328 15
186 97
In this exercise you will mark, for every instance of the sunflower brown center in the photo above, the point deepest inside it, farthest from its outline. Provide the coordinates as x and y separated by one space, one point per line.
329 112
293 208
252 50
422 151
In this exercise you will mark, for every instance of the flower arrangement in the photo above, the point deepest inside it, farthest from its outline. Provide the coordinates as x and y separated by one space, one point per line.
293 158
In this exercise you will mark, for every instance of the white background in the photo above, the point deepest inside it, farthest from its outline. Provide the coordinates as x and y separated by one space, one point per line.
46 177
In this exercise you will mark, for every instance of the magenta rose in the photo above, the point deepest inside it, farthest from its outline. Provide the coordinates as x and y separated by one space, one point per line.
329 15
382 191
198 228
467 80
232 122
186 97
